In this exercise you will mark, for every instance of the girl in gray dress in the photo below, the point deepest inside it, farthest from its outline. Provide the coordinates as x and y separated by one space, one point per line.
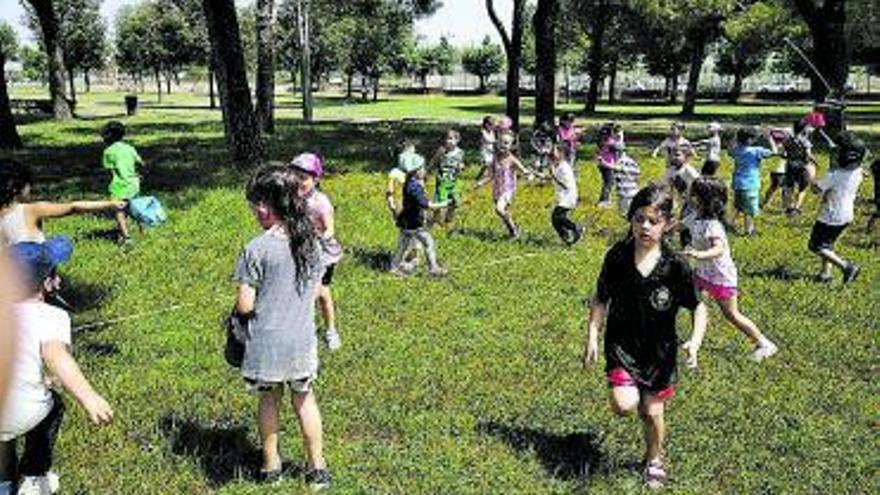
277 274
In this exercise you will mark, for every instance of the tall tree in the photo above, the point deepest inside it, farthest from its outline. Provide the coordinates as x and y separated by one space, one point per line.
422 61
51 37
265 31
513 46
595 16
483 61
702 19
9 138
826 20
544 25
242 131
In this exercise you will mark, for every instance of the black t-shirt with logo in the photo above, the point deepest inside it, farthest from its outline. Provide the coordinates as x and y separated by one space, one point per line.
640 335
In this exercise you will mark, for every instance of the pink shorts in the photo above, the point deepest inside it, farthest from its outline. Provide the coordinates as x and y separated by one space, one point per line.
715 291
619 377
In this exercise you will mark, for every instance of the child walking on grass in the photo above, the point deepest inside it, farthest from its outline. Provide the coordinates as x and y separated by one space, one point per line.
569 135
747 160
34 410
640 289
22 220
487 141
566 196
448 161
411 222
503 174
716 274
309 168
674 145
712 144
838 188
122 160
278 275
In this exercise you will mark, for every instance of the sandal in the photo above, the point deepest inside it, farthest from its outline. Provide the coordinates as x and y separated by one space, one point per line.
655 474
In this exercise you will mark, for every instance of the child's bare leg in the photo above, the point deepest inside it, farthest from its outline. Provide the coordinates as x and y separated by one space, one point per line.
122 224
269 427
502 212
749 224
801 194
624 400
829 256
651 412
325 302
730 310
306 408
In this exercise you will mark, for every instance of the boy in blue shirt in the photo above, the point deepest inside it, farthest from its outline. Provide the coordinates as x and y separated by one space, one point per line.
747 160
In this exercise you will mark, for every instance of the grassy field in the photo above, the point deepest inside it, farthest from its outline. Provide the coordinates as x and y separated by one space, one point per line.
470 384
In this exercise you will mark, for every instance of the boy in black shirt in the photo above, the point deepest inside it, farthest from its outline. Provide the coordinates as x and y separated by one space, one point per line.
640 288
411 222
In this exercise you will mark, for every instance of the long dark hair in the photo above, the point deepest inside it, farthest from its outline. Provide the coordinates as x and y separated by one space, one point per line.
712 195
278 189
14 178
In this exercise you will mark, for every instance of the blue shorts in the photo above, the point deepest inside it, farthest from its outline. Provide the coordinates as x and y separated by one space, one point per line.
746 201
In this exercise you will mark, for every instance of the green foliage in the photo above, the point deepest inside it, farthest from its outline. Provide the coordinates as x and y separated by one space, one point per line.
35 66
155 36
8 41
82 31
422 61
483 60
750 35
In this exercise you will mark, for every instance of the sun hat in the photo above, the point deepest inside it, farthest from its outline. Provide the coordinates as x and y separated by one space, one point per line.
309 163
37 260
410 161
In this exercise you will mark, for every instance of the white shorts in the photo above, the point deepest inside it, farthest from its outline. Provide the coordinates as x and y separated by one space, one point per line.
22 416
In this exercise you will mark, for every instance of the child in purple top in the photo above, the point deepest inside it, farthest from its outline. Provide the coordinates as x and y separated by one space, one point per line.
609 151
309 168
569 135
715 272
504 178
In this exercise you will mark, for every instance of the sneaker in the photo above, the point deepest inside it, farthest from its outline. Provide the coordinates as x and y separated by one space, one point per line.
332 339
318 479
763 351
604 204
39 485
269 477
438 272
850 272
398 272
825 278
655 474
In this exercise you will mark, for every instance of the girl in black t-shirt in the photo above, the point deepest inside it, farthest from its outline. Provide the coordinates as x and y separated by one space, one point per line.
642 285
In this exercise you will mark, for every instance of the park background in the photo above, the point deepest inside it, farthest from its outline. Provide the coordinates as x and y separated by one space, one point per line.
471 384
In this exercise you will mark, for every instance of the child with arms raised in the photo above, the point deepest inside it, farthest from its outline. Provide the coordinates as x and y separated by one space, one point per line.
641 287
35 411
22 220
278 275
747 158
309 168
716 274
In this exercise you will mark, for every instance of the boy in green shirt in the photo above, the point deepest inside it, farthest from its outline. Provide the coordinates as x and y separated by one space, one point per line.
122 160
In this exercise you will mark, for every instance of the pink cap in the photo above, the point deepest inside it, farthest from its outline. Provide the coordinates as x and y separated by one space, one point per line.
309 163
505 123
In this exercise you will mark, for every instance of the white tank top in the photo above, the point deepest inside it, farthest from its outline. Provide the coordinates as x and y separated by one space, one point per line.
13 228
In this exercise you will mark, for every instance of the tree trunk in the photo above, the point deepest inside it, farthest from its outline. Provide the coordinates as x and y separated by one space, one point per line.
51 40
72 84
830 46
168 84
567 84
158 76
544 23
9 138
513 51
673 89
87 80
736 90
239 120
211 97
612 81
698 52
266 65
482 83
375 89
348 82
596 55
306 62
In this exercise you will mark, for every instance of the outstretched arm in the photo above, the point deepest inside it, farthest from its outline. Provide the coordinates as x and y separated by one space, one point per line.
707 254
594 324
692 346
45 209
62 365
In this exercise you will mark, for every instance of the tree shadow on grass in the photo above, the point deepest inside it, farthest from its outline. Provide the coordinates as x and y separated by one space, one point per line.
778 272
575 456
82 296
374 258
485 235
221 449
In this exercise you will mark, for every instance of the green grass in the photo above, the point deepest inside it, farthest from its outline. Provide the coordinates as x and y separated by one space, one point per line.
466 385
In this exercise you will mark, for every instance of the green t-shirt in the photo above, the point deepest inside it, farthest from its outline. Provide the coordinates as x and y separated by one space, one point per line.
122 160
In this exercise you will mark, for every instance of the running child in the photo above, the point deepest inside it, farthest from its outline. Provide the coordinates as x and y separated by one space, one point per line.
407 161
712 144
838 188
608 151
716 274
487 141
626 174
411 223
569 135
747 160
641 287
777 175
309 168
122 160
503 175
448 161
22 220
278 275
800 168
566 195
34 410
674 143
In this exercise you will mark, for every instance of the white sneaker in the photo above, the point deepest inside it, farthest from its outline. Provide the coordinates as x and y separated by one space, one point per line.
763 351
48 484
333 340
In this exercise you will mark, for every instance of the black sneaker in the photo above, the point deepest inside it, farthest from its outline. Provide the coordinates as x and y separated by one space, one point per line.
318 479
850 272
269 477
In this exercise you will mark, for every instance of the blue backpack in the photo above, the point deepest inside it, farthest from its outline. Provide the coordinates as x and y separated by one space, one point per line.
147 210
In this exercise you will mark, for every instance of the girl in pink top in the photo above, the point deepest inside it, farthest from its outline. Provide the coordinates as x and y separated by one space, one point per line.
609 151
503 175
569 137
309 168
715 273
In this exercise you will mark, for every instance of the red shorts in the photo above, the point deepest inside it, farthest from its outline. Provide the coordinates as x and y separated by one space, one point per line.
619 377
715 291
